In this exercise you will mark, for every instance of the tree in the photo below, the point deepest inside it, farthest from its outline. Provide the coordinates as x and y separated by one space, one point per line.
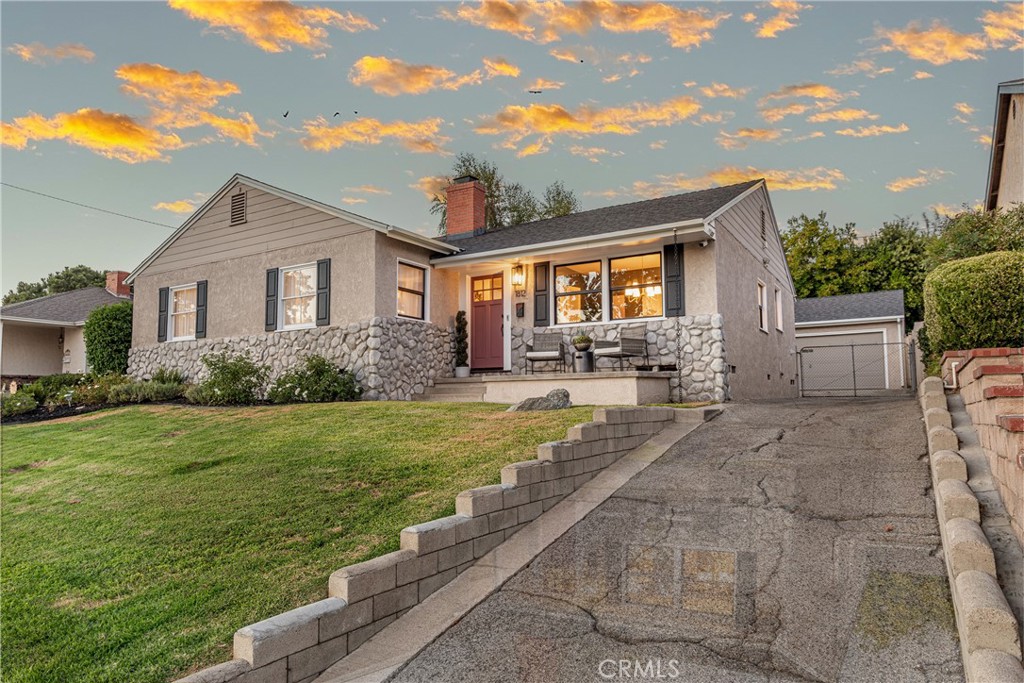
108 337
508 203
976 232
895 257
67 280
822 257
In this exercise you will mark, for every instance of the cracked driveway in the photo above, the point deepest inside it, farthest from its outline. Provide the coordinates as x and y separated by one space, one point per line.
783 541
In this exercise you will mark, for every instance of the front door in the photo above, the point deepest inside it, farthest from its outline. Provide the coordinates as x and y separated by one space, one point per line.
486 327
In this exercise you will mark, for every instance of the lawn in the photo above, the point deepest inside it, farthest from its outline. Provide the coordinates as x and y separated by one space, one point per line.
137 540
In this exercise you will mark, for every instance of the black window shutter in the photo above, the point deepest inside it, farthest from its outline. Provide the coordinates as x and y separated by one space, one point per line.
323 292
541 295
201 309
271 319
161 318
675 302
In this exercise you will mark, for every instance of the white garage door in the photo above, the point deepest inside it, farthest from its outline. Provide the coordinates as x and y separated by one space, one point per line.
844 364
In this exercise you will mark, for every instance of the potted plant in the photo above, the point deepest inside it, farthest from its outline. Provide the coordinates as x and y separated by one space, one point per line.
461 346
582 342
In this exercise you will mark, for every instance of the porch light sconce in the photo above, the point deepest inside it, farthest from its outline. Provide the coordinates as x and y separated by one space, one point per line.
519 279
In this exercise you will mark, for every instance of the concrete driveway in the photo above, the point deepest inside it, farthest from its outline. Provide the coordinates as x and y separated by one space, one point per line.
781 542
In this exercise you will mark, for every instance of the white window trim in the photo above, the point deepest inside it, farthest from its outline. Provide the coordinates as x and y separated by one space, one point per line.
282 327
170 311
779 322
762 301
426 290
606 289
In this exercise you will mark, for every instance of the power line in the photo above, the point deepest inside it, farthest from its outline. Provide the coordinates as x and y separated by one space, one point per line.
87 206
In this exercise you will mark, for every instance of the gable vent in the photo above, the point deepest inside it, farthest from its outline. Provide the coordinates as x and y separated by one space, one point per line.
764 231
238 208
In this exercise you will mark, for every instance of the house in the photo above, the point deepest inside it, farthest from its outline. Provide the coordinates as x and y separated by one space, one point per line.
852 340
257 269
45 336
1006 160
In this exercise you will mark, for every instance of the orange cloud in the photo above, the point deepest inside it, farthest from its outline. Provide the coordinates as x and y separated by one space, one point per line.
817 91
921 75
774 114
630 58
516 123
546 22
592 153
37 53
744 136
353 200
416 136
658 144
788 12
842 115
544 84
723 90
273 25
923 177
816 178
432 185
872 131
984 139
1006 28
367 189
178 206
963 108
115 136
386 76
861 66
499 66
564 55
937 44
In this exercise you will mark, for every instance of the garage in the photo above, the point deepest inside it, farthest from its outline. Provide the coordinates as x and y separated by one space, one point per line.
852 344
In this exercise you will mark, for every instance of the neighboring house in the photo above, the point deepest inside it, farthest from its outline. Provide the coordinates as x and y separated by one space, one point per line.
261 270
867 332
1006 161
45 336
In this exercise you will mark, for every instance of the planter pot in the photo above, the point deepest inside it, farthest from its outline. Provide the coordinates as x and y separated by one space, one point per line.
462 372
582 347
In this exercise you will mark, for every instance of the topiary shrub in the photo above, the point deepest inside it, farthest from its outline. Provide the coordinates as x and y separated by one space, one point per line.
233 381
144 392
108 337
461 340
317 380
52 387
17 404
975 303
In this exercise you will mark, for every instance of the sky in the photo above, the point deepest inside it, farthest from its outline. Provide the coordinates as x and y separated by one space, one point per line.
865 110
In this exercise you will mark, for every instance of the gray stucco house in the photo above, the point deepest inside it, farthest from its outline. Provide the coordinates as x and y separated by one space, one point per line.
262 270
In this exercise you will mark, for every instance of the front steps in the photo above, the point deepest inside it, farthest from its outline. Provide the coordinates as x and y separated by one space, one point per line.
455 390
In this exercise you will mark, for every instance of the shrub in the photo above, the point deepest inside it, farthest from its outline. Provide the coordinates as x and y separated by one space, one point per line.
142 392
234 380
975 303
17 404
108 336
52 387
166 376
316 381
94 390
461 343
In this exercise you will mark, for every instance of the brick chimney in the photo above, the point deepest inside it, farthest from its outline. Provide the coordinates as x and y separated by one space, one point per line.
466 202
116 285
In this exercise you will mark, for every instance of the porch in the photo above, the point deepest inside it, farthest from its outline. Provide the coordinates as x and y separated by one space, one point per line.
629 387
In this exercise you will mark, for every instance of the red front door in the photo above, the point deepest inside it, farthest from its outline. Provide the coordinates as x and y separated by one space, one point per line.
486 328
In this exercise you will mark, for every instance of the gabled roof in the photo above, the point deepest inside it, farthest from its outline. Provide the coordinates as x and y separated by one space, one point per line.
390 230
663 211
995 163
67 308
887 304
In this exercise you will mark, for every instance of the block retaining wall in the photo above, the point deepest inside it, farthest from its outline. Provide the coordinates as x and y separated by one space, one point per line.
988 631
299 645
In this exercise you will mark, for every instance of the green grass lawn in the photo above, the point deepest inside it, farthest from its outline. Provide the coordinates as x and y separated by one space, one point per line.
137 540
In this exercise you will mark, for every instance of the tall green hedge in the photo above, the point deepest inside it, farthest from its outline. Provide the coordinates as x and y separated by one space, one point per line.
976 303
108 336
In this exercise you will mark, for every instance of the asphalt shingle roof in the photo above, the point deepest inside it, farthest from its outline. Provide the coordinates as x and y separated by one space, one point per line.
66 307
680 207
850 306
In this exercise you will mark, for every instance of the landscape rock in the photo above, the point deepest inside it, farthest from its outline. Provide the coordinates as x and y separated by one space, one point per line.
557 399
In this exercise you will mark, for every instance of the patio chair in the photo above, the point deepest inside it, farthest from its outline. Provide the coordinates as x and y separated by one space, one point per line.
547 346
632 343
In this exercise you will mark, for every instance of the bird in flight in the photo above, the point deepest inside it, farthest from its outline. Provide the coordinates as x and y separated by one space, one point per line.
337 113
535 92
286 113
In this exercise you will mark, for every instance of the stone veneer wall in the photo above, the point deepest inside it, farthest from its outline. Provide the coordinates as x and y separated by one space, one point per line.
297 646
694 344
392 358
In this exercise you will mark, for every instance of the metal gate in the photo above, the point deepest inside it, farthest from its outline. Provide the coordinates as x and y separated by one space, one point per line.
856 369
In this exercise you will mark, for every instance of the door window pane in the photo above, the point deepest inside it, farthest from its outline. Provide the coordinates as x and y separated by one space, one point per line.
636 287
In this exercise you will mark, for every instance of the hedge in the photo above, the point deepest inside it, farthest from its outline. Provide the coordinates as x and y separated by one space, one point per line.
108 337
975 303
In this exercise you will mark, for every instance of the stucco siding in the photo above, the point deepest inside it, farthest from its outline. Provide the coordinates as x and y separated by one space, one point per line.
765 362
236 287
1011 180
30 350
700 281
74 350
442 284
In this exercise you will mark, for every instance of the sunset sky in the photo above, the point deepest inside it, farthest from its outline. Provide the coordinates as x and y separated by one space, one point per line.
865 110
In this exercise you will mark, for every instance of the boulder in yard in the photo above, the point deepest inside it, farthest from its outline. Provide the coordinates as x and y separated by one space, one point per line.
555 400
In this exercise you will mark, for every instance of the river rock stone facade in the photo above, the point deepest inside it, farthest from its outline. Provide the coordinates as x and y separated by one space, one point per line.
392 358
693 345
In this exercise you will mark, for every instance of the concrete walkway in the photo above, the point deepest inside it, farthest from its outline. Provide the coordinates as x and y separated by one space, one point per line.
781 542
